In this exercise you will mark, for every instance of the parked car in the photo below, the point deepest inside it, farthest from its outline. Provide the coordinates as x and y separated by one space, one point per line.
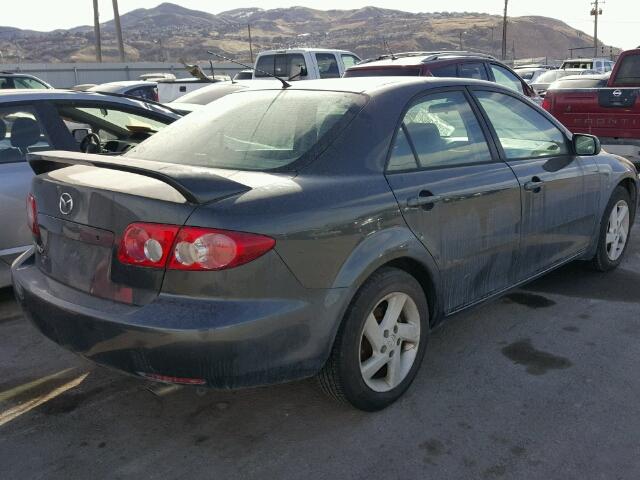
147 90
443 64
10 81
599 65
530 74
203 96
244 75
303 63
38 120
610 111
581 81
543 82
266 238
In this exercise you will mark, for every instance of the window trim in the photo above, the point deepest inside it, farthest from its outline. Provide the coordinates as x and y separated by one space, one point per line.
544 113
493 151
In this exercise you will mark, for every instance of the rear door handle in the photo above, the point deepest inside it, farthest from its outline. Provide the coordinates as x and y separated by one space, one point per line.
424 199
535 185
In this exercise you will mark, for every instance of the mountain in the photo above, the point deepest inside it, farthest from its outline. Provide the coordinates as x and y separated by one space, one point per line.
171 32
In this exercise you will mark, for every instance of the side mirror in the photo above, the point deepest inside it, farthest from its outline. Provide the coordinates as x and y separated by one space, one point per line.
303 71
79 134
586 144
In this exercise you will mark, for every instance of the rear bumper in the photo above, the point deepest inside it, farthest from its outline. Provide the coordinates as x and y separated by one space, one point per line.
228 343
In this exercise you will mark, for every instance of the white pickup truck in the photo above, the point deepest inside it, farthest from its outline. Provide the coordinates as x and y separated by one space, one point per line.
303 63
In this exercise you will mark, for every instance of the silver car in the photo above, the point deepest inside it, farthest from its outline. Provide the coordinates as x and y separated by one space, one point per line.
38 120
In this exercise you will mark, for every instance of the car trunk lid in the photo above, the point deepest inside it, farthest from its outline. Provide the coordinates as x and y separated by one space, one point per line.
84 208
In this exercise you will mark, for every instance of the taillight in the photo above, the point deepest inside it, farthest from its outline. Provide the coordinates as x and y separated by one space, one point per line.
189 248
147 244
210 249
154 94
547 102
32 215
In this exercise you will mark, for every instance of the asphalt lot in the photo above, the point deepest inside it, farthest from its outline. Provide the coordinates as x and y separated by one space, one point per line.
540 384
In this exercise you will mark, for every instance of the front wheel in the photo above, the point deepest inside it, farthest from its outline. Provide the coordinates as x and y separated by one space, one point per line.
614 231
381 343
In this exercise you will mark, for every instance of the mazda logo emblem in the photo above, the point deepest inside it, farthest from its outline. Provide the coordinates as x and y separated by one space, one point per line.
65 204
617 93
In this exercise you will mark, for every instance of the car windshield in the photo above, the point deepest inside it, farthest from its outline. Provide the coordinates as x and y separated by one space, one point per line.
254 130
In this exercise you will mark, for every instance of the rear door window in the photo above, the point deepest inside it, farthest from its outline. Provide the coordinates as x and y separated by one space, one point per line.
445 71
21 132
472 70
110 123
28 83
327 65
443 131
507 79
284 65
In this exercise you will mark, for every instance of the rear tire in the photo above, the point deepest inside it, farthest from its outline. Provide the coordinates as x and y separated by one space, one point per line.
380 344
615 227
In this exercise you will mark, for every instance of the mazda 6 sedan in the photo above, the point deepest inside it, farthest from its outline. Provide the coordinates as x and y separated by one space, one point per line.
321 229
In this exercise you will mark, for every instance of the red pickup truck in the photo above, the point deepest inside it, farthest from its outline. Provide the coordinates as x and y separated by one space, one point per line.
612 112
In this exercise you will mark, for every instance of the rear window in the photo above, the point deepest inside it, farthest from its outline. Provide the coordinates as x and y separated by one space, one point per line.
281 65
254 130
629 71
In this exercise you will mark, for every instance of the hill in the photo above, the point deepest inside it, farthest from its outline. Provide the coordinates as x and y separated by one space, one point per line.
171 32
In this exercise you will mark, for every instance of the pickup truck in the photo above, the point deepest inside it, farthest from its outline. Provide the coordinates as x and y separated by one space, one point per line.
303 63
612 112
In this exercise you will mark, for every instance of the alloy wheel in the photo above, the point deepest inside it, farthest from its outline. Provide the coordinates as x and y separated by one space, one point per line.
617 230
389 342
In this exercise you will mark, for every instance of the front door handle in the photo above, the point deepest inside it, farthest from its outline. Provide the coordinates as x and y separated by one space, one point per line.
535 185
424 199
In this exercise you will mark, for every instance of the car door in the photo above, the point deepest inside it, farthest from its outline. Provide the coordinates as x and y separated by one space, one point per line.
22 131
559 190
459 199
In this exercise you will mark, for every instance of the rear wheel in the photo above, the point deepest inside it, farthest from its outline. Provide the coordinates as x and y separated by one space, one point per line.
381 342
614 231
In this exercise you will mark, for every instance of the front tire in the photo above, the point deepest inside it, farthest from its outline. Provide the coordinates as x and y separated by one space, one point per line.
614 231
380 344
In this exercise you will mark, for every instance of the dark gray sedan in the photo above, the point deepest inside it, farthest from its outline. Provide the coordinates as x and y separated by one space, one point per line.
321 229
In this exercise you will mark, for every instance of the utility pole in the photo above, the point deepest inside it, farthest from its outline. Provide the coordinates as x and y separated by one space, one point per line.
116 19
504 31
96 31
460 41
250 44
595 11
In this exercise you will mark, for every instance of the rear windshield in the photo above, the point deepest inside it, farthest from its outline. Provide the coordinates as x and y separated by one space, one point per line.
629 71
383 72
254 130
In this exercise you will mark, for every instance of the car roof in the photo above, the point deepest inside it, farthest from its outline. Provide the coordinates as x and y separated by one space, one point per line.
27 95
109 86
309 50
420 58
372 85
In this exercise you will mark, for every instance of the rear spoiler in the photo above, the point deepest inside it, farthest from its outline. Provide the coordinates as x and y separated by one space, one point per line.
196 184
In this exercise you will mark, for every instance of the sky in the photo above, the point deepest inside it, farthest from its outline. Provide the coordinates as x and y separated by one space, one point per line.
618 26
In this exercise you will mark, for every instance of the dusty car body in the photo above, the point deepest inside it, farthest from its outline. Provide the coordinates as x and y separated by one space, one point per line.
369 216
